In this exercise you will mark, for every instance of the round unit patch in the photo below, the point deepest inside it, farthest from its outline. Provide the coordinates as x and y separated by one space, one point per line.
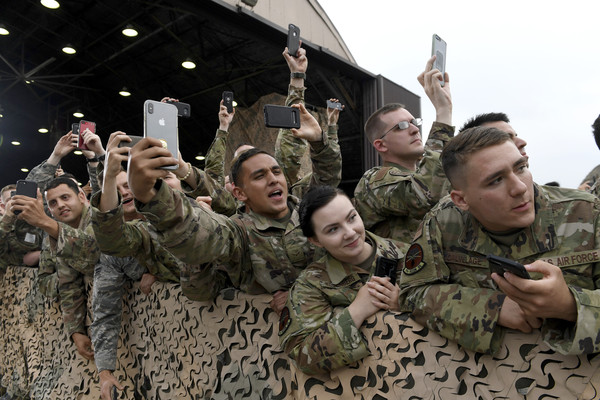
413 262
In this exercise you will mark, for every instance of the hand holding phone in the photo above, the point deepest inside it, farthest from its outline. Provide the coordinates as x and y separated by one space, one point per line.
387 267
83 125
281 117
500 265
134 140
293 40
228 101
26 188
438 48
335 105
160 122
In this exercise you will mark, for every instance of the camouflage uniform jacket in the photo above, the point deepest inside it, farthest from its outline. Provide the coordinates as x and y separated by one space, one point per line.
76 253
260 254
110 276
44 173
214 164
47 279
120 238
316 328
592 176
17 238
392 200
446 282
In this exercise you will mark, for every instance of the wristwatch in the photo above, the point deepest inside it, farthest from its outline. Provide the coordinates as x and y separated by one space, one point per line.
298 75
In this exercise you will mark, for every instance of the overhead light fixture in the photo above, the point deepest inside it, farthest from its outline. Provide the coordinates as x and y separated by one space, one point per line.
188 64
200 157
24 170
3 30
43 130
15 143
78 114
129 31
234 103
53 4
124 92
77 152
29 82
68 49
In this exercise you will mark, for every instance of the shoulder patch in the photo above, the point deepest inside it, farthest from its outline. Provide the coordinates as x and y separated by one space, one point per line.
413 262
284 320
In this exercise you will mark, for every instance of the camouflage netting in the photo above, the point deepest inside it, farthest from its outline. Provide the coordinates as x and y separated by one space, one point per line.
175 348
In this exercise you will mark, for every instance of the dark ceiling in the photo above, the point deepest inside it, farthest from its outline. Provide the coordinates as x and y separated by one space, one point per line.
233 50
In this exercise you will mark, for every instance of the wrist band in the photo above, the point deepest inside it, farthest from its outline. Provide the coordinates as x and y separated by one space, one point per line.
188 173
298 75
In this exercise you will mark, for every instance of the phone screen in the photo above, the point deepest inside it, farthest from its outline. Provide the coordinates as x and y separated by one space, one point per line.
438 48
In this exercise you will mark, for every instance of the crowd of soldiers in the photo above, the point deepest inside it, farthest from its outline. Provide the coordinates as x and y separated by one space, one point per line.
435 209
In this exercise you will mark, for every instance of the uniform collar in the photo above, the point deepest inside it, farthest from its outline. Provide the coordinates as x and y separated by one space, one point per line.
263 223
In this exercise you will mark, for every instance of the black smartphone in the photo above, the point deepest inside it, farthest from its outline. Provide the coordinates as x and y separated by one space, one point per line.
293 40
500 265
228 101
75 128
12 193
26 188
438 48
387 267
183 109
134 140
83 125
281 116
334 105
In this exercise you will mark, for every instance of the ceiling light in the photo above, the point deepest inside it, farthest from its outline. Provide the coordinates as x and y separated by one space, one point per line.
200 157
3 30
68 49
188 64
234 103
53 4
29 82
1 115
124 92
15 143
43 130
77 152
129 31
78 114
24 170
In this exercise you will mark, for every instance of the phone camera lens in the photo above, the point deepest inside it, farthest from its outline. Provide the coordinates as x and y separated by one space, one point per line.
150 108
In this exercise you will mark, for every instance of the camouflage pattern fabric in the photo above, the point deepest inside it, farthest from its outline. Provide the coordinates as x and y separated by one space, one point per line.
214 163
47 279
392 200
592 176
316 328
110 276
17 238
42 174
223 202
446 282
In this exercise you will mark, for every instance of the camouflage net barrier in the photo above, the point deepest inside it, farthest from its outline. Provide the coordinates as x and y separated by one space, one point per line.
172 347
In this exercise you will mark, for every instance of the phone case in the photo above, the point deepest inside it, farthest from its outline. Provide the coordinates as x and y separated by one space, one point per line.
281 117
293 40
183 109
26 188
83 125
334 105
134 140
387 267
438 47
228 101
160 122
500 265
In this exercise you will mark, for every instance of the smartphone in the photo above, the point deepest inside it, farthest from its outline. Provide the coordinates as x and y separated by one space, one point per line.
183 109
83 125
134 140
228 101
500 265
75 128
334 105
12 193
387 267
438 47
293 40
281 116
26 188
160 122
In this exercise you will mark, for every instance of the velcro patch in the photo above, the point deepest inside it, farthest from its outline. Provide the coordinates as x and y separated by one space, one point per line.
413 262
284 320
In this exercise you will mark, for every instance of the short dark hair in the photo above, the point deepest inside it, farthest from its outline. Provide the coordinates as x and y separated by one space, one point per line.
596 131
236 166
316 198
481 119
374 127
61 180
458 150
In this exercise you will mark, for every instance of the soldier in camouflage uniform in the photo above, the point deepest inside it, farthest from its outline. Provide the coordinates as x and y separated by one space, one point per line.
495 208
591 181
392 199
263 249
499 121
320 325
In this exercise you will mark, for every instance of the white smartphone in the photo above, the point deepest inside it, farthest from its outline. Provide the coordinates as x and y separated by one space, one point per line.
160 122
438 47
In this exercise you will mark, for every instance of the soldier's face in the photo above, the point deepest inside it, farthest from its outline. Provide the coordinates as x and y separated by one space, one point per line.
497 188
505 127
65 205
404 144
263 187
340 230
126 194
172 181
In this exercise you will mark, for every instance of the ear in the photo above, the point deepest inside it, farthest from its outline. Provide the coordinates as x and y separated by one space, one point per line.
239 194
458 198
81 196
315 241
380 146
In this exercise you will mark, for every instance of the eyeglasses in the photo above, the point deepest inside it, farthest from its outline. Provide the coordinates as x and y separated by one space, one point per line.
404 125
